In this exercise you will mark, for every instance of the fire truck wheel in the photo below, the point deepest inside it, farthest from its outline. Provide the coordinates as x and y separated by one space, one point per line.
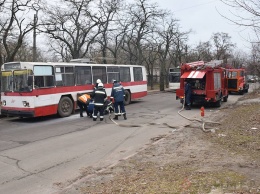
218 103
127 97
225 98
65 107
241 92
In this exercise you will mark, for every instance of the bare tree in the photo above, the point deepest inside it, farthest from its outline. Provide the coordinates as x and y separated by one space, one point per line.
152 58
142 17
246 13
171 47
204 51
222 45
14 26
73 28
253 66
107 10
239 59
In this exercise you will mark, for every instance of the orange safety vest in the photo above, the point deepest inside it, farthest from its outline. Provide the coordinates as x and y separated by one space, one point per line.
84 98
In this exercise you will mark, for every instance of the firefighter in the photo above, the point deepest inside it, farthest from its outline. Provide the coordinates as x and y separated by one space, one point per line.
117 96
99 97
187 94
83 101
97 82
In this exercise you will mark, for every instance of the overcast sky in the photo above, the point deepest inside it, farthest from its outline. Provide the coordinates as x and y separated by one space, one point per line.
203 18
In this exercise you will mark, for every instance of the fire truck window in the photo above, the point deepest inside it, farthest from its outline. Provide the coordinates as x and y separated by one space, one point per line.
234 74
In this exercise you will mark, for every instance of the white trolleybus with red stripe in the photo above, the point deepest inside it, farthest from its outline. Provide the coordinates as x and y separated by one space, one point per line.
174 78
33 89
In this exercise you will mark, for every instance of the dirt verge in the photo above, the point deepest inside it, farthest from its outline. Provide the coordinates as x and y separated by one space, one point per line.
192 161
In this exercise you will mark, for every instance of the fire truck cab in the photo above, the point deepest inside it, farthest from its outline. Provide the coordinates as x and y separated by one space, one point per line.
237 82
208 82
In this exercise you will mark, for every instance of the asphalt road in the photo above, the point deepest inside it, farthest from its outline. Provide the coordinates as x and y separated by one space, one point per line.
46 155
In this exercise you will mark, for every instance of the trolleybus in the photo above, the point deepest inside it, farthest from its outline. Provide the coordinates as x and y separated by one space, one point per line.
33 89
174 78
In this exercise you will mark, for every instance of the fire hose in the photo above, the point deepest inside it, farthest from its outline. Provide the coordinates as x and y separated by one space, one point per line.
137 125
198 120
179 112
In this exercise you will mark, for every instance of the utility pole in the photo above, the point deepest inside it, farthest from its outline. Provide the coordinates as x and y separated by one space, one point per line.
34 35
1 56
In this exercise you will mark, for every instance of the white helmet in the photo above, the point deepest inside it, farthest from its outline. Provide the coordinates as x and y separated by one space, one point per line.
100 85
98 81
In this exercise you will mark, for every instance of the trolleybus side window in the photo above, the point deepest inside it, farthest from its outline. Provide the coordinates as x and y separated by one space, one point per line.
99 73
43 76
64 76
112 73
138 74
125 74
83 75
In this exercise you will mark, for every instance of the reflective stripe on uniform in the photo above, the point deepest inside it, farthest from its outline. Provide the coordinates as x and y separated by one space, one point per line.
118 87
99 92
98 104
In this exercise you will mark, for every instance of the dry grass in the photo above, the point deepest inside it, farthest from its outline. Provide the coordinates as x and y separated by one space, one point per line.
193 162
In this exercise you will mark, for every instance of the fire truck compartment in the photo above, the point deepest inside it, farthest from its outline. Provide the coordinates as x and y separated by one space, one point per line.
232 83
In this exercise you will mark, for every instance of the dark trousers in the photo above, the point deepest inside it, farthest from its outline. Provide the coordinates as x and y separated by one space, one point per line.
188 99
122 107
82 107
99 109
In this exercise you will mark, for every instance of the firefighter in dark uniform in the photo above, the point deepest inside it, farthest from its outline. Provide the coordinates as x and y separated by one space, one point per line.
99 97
187 94
117 96
97 82
83 101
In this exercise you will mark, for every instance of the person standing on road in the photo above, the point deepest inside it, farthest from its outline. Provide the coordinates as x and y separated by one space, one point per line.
118 95
99 97
187 94
83 101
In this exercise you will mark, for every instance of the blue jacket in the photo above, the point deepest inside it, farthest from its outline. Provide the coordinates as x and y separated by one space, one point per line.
118 92
188 90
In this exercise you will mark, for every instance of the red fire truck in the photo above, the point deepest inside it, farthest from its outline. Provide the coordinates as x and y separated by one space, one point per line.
208 82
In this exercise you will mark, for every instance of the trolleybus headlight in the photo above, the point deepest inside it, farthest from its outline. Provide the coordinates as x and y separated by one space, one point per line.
25 103
3 103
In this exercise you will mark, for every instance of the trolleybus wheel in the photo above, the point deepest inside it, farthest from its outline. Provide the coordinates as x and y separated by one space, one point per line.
127 97
65 107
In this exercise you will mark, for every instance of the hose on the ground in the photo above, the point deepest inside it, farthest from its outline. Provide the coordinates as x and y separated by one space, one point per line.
138 125
166 124
198 120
